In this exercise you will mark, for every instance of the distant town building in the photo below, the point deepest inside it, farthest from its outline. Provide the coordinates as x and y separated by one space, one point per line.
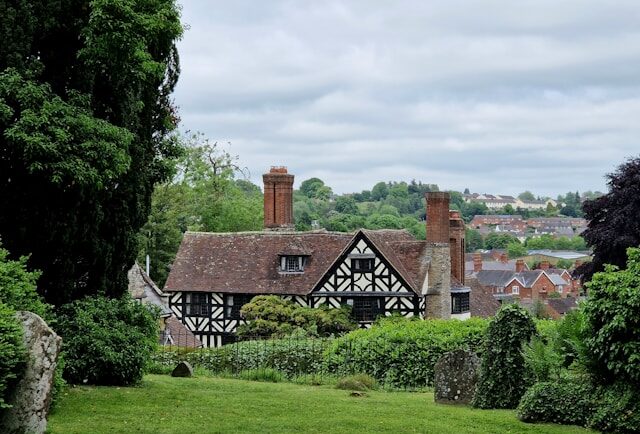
497 201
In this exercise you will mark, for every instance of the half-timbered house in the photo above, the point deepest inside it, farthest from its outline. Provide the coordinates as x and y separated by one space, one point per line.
378 272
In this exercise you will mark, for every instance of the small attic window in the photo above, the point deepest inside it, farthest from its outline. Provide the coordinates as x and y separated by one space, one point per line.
292 264
362 265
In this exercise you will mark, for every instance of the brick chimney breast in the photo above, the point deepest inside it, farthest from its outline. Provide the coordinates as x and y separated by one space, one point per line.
519 265
278 198
477 262
437 217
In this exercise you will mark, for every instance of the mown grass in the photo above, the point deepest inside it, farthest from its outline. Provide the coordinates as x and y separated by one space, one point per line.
162 404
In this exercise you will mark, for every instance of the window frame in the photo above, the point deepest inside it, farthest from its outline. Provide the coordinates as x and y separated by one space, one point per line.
359 261
460 303
198 308
515 289
232 310
366 314
292 264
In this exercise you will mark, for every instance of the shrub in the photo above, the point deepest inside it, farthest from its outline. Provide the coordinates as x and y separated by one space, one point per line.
542 361
618 410
292 357
402 353
503 379
18 286
613 323
106 341
12 352
272 316
359 382
267 375
568 403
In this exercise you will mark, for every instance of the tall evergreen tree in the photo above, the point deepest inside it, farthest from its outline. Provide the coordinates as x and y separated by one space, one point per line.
85 122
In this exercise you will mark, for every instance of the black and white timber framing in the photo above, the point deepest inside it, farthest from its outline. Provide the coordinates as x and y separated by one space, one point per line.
360 276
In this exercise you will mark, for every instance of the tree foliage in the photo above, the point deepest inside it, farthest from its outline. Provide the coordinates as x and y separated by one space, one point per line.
85 113
204 195
503 378
272 316
611 313
613 219
106 341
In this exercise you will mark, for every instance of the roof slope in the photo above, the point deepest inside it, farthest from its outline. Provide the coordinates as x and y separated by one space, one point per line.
247 262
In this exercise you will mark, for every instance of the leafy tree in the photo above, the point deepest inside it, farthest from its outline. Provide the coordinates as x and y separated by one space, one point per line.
611 313
272 316
85 114
508 209
473 208
383 221
516 250
379 191
499 240
315 188
564 263
202 196
613 219
526 196
346 205
473 240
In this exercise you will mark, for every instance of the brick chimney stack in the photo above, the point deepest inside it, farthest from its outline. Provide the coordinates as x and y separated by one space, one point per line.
437 217
456 245
504 258
519 265
278 199
544 265
477 262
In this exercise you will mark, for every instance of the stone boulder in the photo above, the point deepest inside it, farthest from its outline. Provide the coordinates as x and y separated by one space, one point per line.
183 369
32 395
455 377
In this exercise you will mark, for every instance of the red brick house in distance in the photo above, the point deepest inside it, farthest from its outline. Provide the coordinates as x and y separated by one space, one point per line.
377 273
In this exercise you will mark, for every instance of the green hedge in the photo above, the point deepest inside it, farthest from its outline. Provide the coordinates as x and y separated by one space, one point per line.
292 357
568 403
617 409
402 353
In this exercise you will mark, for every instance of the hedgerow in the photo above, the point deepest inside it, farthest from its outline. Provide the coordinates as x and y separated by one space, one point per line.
402 353
564 402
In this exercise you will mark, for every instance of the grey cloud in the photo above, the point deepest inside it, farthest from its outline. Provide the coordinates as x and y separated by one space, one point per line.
491 95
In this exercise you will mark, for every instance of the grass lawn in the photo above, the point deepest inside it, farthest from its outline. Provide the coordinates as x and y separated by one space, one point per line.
163 404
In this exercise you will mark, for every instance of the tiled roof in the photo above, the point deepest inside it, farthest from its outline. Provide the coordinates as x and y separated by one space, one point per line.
248 262
176 333
562 305
491 265
481 301
500 278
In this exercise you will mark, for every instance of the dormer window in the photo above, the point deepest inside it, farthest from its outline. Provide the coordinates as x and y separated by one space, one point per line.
362 265
292 264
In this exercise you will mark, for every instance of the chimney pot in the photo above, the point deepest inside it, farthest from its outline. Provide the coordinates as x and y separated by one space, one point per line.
544 265
278 198
477 262
503 258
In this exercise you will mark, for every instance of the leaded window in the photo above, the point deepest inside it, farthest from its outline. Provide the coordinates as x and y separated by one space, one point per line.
235 303
366 309
292 264
197 304
460 303
362 265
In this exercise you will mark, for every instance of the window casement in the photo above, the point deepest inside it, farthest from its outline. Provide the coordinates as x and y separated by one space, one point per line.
460 303
197 304
234 303
366 309
362 265
292 264
515 289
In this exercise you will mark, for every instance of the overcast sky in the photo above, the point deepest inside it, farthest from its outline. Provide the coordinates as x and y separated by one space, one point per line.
497 96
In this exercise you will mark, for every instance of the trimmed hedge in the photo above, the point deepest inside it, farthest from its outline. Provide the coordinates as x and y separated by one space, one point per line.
402 353
292 357
618 410
568 403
